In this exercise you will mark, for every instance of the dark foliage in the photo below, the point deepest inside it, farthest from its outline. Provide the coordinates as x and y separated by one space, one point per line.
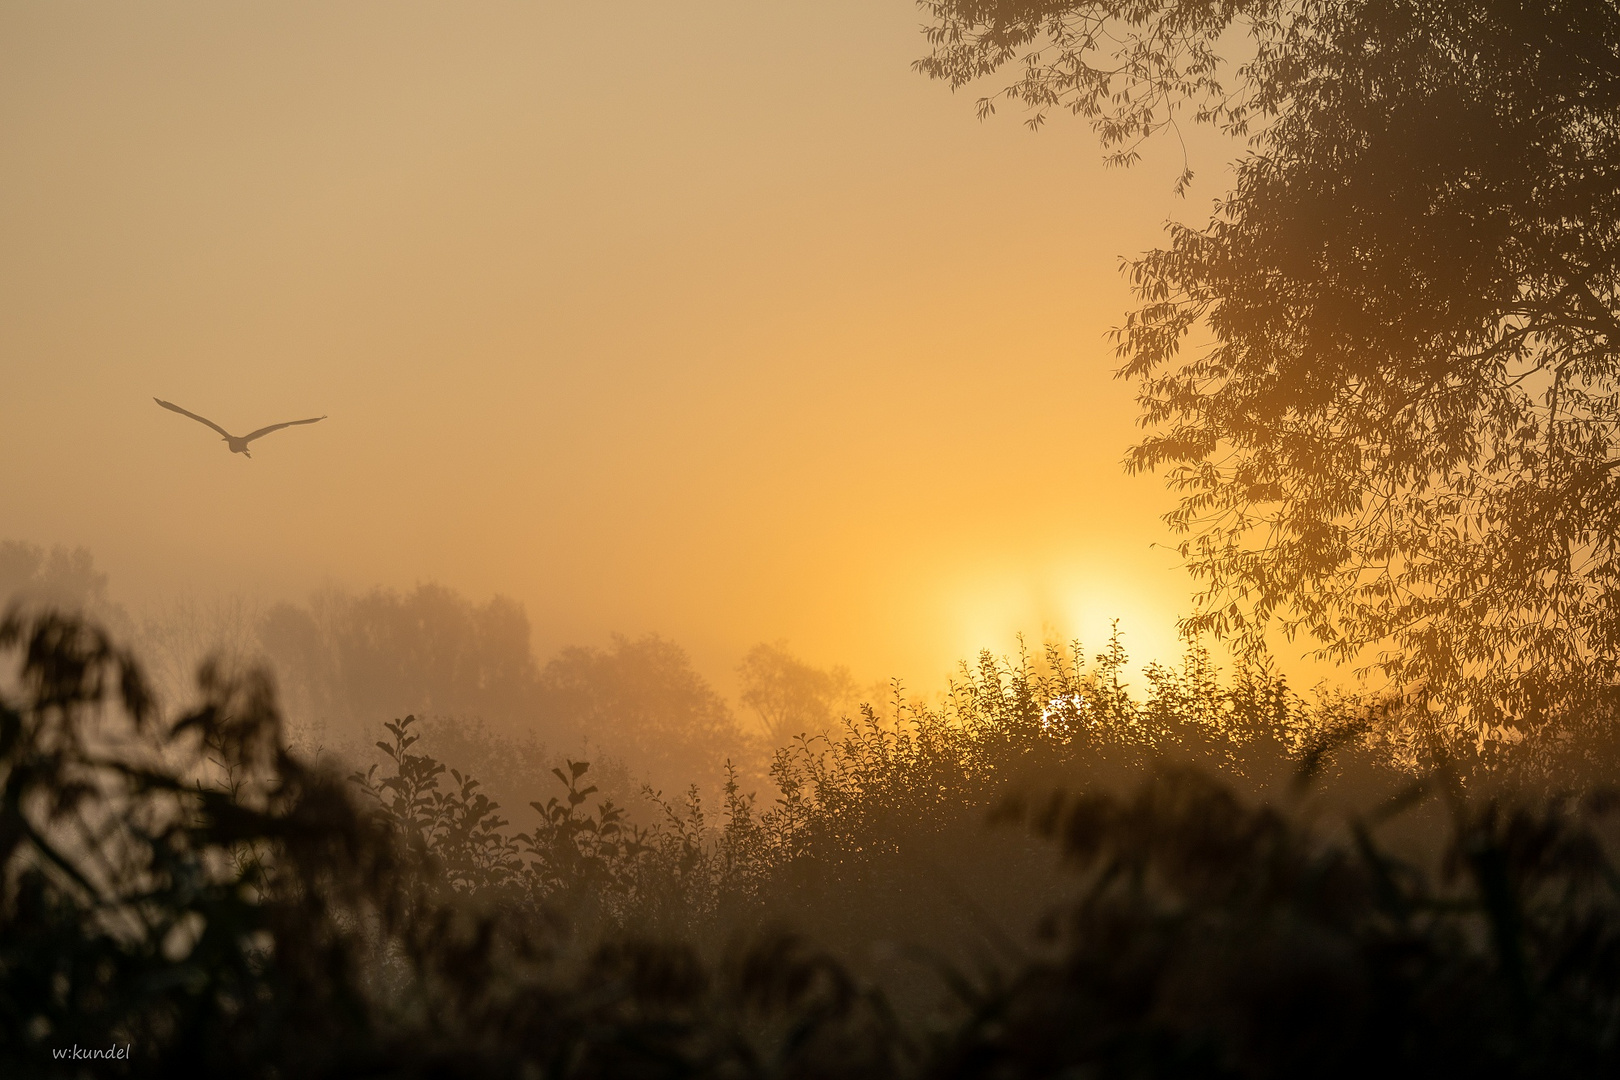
1217 938
192 891
1401 440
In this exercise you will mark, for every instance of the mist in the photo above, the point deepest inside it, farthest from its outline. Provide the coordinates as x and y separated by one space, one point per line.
724 365
937 539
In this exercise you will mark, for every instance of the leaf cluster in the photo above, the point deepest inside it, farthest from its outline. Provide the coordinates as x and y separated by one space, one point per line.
1382 377
191 890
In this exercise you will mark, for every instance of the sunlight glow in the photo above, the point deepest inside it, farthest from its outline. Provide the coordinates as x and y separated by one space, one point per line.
1062 606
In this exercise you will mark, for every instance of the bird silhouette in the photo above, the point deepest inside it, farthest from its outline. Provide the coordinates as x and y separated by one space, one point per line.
237 443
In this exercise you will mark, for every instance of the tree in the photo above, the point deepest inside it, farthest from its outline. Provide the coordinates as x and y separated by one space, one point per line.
383 653
60 578
791 697
1402 439
641 698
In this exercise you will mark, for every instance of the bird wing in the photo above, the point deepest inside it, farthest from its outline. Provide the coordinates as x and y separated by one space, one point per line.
172 407
277 427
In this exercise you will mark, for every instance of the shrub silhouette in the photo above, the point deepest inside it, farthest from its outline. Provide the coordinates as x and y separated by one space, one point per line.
193 891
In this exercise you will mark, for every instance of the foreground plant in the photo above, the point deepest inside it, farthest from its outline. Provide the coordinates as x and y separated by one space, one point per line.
191 891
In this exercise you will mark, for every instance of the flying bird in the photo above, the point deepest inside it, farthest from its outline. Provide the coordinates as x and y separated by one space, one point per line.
237 443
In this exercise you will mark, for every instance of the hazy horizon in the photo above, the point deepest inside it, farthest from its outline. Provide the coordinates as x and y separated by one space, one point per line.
723 325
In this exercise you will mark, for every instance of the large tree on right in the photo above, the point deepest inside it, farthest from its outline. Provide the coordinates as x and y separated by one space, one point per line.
1385 376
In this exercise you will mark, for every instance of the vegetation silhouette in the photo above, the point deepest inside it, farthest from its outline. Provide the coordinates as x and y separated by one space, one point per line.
62 577
789 696
192 890
467 671
1401 442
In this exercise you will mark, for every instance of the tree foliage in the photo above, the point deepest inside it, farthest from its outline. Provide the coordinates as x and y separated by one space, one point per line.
467 671
641 698
430 650
1133 68
791 697
1402 436
62 577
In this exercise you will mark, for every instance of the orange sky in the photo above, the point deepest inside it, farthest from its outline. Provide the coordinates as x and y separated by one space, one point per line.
708 318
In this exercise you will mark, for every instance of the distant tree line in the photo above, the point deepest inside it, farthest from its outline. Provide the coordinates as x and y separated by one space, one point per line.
346 662
353 660
60 577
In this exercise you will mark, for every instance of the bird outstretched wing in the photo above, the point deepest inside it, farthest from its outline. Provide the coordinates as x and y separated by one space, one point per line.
172 407
277 427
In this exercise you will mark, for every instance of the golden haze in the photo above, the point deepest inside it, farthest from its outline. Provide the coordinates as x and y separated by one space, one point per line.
709 319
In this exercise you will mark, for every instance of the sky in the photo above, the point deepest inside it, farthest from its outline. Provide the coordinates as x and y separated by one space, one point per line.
710 319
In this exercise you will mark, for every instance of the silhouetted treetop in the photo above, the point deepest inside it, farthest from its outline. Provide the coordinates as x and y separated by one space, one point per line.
1403 431
642 698
428 650
790 697
1131 67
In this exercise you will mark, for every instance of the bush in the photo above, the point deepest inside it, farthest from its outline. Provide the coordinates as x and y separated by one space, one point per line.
194 892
